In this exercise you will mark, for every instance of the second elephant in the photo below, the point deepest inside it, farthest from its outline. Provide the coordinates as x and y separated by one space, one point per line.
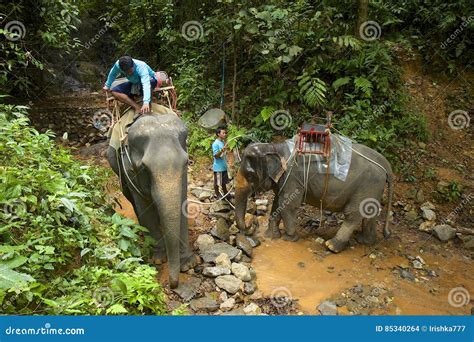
262 169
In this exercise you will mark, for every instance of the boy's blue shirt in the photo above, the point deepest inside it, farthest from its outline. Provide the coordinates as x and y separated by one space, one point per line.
220 164
141 73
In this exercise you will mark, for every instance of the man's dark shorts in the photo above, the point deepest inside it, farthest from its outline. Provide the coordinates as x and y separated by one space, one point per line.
126 88
221 178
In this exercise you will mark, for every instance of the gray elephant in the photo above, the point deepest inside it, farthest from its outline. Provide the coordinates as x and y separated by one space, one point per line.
152 168
262 169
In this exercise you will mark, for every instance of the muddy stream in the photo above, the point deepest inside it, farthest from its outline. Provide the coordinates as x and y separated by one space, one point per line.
306 272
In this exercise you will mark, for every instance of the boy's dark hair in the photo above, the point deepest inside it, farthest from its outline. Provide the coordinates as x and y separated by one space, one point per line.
125 63
219 129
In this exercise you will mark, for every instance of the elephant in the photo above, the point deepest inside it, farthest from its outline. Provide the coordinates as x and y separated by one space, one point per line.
262 169
152 168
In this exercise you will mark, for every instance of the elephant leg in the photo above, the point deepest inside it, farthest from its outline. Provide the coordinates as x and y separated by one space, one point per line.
148 217
288 204
340 241
187 258
273 231
368 235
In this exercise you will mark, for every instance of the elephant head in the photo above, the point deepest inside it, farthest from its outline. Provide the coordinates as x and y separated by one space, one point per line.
260 170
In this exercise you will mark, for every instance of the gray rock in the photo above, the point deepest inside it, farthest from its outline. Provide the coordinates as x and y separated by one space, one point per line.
220 207
405 274
467 241
261 202
444 232
221 230
215 271
428 205
254 242
327 308
249 287
210 253
203 241
244 244
188 289
417 264
428 214
239 256
442 187
420 197
227 304
206 304
252 310
241 271
218 215
229 283
196 192
233 229
253 274
223 260
426 226
412 215
204 195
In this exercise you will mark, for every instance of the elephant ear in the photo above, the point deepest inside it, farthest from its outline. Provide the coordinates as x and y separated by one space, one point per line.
276 166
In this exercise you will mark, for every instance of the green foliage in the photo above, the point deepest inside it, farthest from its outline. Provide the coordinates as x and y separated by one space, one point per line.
47 27
452 193
312 89
57 244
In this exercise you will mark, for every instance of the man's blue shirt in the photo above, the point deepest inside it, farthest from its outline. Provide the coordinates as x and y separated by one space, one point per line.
141 73
220 164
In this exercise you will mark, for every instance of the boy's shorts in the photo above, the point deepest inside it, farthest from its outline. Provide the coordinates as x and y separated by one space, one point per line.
126 88
221 178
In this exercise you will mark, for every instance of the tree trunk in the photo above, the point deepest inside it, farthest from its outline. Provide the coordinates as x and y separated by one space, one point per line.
362 15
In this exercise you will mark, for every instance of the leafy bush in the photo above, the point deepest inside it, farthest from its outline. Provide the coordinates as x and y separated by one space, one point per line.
59 249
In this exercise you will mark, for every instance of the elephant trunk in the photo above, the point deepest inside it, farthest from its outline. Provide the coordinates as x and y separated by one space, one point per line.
168 197
242 192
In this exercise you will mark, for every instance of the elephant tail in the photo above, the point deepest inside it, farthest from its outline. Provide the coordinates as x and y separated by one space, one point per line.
386 229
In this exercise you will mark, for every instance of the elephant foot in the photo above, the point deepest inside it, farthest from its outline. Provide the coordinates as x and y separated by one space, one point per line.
335 245
365 240
272 234
189 262
159 258
292 238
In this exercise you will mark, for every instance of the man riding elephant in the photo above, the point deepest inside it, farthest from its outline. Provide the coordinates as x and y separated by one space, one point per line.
141 81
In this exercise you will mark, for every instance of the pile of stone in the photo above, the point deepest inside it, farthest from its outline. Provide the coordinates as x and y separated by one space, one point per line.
226 256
